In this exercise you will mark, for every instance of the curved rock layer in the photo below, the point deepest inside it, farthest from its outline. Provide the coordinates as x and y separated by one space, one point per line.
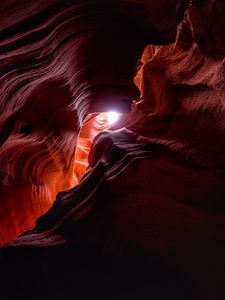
60 61
91 127
147 218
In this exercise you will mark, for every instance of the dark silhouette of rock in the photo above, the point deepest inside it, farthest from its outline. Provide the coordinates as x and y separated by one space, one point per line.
147 218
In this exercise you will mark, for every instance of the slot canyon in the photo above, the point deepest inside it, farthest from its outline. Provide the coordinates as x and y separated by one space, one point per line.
112 149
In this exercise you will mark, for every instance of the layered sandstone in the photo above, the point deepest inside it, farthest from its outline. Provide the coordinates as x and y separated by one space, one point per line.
147 217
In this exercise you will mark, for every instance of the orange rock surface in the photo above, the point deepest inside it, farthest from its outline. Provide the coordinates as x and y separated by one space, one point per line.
130 211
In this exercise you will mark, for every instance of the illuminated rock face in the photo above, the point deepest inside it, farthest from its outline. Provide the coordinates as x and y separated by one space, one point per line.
147 219
61 61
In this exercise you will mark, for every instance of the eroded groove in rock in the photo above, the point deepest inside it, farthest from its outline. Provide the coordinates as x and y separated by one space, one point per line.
91 127
61 60
148 215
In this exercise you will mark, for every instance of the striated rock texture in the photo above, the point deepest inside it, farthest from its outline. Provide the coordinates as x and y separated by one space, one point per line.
147 219
60 61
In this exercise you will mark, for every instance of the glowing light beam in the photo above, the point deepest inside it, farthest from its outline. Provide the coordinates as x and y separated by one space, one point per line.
112 117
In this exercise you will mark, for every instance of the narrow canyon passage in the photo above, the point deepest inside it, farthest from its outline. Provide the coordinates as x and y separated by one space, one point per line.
112 142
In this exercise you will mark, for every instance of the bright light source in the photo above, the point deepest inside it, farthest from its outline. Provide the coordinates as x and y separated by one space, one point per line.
112 117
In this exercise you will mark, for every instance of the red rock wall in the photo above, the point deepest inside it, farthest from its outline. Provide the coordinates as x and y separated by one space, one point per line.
61 60
147 219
